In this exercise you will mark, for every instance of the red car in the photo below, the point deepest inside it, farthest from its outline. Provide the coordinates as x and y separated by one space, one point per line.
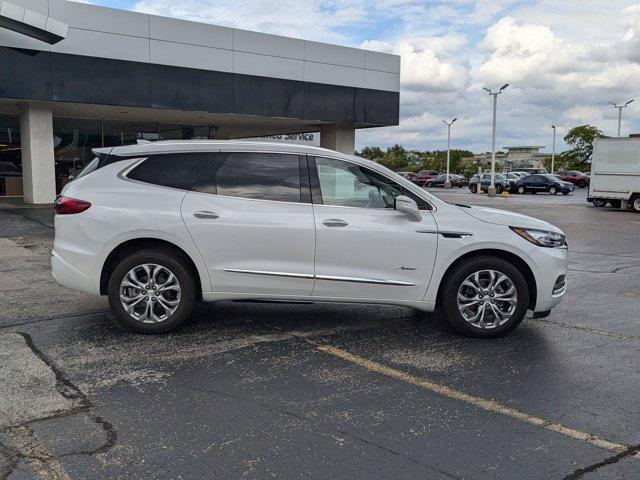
409 176
425 175
579 179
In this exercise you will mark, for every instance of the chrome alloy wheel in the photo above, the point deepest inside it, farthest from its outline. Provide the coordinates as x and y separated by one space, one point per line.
487 299
150 293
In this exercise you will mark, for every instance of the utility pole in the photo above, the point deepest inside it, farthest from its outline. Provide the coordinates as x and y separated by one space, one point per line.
447 183
492 187
620 107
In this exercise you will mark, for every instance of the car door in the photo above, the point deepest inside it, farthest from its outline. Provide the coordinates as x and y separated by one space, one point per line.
251 218
364 247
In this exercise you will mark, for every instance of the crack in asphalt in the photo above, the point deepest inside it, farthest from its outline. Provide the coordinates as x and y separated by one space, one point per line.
28 447
621 336
55 317
327 429
607 461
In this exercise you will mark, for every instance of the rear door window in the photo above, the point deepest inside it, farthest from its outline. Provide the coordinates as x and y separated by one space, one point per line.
260 176
175 170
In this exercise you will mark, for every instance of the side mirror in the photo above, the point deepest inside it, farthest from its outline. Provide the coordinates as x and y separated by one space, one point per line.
409 207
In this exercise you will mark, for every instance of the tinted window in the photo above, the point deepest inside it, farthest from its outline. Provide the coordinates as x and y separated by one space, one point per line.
346 184
262 176
176 170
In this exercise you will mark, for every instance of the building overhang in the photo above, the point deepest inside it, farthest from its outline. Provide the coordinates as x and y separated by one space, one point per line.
32 24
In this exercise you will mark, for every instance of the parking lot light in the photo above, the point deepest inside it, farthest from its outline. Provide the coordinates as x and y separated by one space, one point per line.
553 149
447 183
620 107
492 187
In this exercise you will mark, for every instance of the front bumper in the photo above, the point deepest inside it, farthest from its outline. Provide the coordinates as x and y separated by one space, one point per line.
551 263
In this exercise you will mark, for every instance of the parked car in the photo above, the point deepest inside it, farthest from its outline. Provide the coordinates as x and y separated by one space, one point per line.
425 175
159 226
543 183
456 181
579 179
501 182
531 170
514 176
409 176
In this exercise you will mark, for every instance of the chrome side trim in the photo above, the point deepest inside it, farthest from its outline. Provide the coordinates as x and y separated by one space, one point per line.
376 281
426 231
335 278
267 272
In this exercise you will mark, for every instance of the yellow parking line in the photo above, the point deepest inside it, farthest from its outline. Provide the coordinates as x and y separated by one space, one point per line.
488 405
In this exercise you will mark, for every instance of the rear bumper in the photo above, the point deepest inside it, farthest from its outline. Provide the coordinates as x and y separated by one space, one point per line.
68 276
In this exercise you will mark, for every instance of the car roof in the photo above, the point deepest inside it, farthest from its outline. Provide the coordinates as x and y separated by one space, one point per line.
185 146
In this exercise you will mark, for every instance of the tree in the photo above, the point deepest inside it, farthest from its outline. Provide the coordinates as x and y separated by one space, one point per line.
371 153
581 138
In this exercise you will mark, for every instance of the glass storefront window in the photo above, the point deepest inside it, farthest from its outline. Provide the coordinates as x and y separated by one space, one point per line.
73 140
10 158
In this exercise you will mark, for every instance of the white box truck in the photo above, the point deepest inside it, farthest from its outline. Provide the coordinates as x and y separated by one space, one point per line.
615 173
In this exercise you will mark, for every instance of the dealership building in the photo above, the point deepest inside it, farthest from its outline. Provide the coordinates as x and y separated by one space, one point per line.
76 76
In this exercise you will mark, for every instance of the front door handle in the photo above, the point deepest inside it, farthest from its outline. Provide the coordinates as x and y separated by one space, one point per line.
206 214
335 222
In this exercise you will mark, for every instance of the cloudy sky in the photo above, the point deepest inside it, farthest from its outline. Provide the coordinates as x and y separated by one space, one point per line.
565 59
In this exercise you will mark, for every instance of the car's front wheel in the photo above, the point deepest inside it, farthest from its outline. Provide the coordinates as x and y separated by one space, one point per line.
429 184
152 291
485 297
520 189
473 187
553 190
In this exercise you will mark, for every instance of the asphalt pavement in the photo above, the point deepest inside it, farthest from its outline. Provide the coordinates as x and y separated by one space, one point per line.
266 390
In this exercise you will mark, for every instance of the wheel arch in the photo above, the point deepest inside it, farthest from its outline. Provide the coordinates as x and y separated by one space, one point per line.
127 247
510 257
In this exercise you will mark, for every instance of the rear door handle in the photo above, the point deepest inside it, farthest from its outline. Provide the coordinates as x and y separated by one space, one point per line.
335 222
206 214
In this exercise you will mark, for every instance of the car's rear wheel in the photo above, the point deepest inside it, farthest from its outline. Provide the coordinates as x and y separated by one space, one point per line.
634 201
485 297
581 184
429 184
553 190
473 187
152 291
599 203
499 189
521 189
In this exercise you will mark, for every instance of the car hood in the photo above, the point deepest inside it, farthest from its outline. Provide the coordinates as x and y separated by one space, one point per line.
508 219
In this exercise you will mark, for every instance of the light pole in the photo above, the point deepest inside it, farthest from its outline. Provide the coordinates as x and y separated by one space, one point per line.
553 149
620 107
492 188
447 183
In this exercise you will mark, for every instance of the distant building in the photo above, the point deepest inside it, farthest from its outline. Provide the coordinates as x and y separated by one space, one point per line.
519 156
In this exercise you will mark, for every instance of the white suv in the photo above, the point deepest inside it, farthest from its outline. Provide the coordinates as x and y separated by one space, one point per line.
158 226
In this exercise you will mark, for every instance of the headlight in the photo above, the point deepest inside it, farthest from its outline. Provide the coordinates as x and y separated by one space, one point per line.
541 238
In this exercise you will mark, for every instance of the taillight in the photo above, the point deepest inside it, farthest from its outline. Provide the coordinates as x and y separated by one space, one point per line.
68 206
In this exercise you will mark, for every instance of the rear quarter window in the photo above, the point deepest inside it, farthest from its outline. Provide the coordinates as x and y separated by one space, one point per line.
175 170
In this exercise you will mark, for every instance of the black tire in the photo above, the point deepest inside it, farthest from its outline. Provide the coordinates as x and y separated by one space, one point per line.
473 187
173 263
498 189
599 203
453 281
581 184
634 202
553 190
429 184
521 190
